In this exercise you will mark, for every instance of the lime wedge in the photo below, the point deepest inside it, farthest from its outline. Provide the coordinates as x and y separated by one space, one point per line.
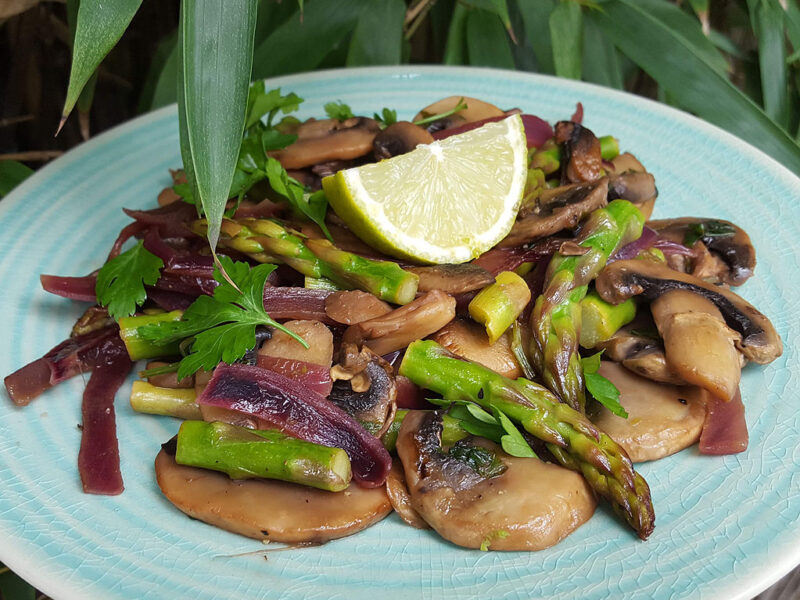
445 202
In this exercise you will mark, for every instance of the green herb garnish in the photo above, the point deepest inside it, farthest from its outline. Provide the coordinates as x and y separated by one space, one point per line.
500 534
605 392
386 118
706 229
431 118
481 460
120 283
498 427
339 111
223 326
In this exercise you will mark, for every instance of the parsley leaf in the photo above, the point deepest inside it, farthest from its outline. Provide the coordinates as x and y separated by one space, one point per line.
605 392
706 229
461 105
339 111
261 102
120 283
500 534
387 117
497 427
513 442
223 326
313 206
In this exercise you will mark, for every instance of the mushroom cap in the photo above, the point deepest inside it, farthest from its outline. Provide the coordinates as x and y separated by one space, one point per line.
662 419
476 110
623 279
583 160
535 504
399 138
267 509
327 140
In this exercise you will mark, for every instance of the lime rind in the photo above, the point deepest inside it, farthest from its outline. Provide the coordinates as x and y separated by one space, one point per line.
488 162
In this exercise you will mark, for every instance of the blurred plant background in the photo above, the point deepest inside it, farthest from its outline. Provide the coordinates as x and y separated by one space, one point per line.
735 63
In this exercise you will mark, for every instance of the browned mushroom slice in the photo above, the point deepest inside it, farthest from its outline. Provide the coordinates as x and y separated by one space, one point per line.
627 162
397 490
397 329
476 110
582 156
638 188
316 335
354 306
323 141
452 279
643 354
556 209
662 419
468 340
399 138
699 345
269 509
730 244
373 406
626 278
475 494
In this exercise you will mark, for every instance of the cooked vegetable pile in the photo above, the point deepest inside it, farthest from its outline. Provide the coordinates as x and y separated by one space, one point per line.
483 332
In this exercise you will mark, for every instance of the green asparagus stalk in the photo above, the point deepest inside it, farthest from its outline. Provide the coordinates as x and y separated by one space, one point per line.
170 402
600 319
498 305
547 158
572 439
556 316
140 348
268 241
609 147
451 430
249 453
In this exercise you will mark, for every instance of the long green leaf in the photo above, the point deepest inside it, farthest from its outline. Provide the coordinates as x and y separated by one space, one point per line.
498 7
159 87
536 16
766 17
217 47
793 23
455 50
378 36
487 40
12 173
566 33
600 57
100 25
675 63
302 45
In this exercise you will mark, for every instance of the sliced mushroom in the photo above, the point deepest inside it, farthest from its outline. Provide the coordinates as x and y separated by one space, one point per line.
354 307
468 340
626 278
318 337
556 209
727 242
399 496
627 163
269 509
583 161
638 188
399 138
452 279
322 141
373 406
476 110
642 354
662 419
698 344
397 329
508 503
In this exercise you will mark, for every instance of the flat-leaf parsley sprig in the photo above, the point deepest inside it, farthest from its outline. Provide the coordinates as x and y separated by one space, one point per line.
223 326
120 283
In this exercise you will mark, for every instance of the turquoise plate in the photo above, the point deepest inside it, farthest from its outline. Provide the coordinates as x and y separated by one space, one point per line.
726 527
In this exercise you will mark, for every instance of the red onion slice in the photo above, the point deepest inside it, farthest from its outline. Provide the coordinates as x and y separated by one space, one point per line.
725 429
314 377
298 411
297 303
74 288
537 130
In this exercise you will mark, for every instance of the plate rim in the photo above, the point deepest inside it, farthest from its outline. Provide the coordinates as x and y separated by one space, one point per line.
736 589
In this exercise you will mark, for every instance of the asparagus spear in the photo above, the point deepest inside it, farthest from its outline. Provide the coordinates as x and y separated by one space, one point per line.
140 348
268 241
499 304
170 402
451 430
600 319
556 317
570 436
246 453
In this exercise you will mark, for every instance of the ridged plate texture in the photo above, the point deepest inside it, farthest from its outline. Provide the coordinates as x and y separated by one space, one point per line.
726 527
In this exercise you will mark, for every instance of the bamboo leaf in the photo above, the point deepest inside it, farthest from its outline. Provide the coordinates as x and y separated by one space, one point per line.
302 45
766 17
12 173
566 33
676 64
159 87
455 50
793 23
100 25
600 58
536 17
378 36
217 49
498 7
487 41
